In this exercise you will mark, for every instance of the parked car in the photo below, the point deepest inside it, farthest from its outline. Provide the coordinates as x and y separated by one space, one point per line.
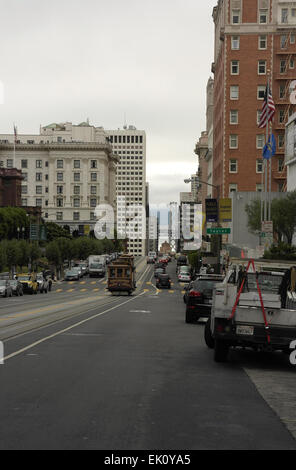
17 287
71 275
78 270
84 268
198 297
5 288
163 281
43 283
184 276
150 260
29 282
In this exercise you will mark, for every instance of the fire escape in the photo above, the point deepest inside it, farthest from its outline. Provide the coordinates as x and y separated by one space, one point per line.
285 74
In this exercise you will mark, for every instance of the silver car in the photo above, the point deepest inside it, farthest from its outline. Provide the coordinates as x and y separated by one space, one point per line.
5 288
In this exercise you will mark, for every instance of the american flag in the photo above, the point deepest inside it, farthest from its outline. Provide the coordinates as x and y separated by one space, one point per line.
268 109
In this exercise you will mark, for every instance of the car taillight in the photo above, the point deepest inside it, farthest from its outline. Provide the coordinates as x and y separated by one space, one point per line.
193 293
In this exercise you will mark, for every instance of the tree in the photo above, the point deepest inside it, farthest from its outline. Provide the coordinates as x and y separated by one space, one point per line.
253 211
54 255
55 231
283 215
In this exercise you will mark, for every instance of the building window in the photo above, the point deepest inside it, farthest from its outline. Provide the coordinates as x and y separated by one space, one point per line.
38 176
284 41
38 189
60 176
259 188
60 202
233 166
262 42
76 190
92 216
292 36
234 92
76 202
60 189
232 187
259 113
281 116
93 190
76 163
281 164
93 202
59 216
261 92
38 163
235 43
234 116
24 202
76 215
94 164
76 176
235 16
283 66
25 177
38 202
60 163
262 67
282 91
260 138
234 70
263 15
9 163
281 140
93 177
291 64
233 141
24 189
24 164
285 13
259 165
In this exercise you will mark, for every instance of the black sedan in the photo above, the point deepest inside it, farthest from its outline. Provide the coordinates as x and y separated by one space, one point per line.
163 281
198 297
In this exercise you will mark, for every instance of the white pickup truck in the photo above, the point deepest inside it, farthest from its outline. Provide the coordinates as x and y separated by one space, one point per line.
264 321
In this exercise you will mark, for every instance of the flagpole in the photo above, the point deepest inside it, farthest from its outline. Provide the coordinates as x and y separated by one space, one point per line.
14 146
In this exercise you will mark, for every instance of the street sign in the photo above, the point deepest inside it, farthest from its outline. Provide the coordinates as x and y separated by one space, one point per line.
43 233
34 232
212 210
225 210
218 231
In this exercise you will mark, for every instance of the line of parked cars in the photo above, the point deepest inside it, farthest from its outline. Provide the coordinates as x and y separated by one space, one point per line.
94 266
25 283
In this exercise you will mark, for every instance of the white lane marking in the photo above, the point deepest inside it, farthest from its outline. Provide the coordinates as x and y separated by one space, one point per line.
36 343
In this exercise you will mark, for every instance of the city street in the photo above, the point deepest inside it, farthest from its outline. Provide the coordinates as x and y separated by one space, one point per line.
85 370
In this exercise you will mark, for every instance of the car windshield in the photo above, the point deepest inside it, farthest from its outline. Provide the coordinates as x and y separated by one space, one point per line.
24 278
96 266
2 283
13 283
204 285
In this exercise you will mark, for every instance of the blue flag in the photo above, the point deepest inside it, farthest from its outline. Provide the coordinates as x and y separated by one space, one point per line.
270 148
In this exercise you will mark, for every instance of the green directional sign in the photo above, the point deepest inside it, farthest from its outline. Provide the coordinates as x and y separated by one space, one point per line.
34 232
218 231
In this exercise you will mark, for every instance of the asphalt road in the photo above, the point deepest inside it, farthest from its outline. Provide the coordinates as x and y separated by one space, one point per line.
85 370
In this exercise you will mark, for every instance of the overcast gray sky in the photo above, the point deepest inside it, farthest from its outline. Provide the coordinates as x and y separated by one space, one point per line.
69 60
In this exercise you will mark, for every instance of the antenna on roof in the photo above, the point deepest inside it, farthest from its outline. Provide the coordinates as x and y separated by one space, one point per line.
125 124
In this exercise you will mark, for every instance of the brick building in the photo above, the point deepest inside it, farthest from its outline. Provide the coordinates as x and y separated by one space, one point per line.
10 187
253 39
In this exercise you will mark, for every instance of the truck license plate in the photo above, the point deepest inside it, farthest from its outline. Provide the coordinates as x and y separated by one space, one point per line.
244 330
